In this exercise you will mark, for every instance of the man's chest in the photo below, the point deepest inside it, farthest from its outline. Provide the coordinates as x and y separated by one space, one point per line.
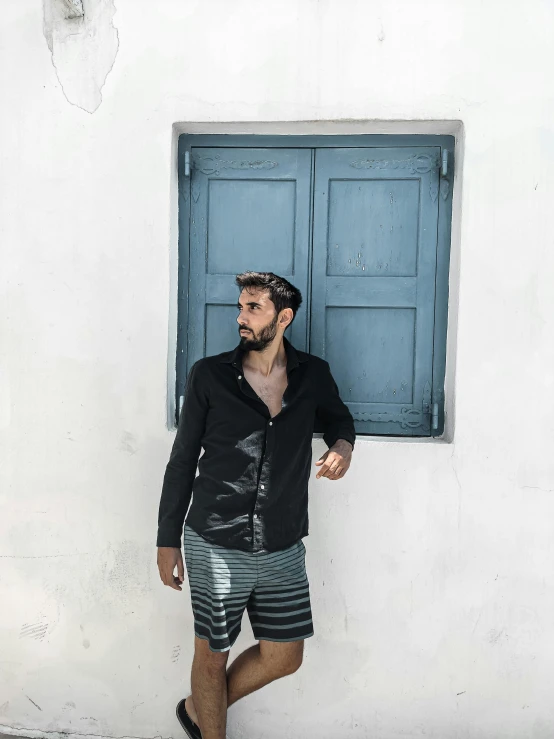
270 389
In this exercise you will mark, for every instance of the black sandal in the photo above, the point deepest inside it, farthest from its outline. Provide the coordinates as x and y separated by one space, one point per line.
191 729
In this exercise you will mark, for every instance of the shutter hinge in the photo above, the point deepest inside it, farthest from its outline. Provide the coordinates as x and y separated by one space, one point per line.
444 167
187 163
435 416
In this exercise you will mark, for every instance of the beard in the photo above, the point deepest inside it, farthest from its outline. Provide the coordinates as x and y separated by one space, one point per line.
251 343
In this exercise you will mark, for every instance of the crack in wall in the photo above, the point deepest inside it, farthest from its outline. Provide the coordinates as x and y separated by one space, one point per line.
40 556
83 49
38 734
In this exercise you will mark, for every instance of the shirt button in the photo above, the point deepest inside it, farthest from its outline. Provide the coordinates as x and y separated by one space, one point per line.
271 423
255 515
240 377
262 487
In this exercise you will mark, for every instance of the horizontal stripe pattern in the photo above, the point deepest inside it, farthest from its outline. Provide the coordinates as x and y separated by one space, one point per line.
272 586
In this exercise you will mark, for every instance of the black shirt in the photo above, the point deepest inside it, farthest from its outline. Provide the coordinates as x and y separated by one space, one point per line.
251 492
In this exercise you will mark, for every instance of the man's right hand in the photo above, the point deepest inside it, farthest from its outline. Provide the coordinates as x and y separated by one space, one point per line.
168 557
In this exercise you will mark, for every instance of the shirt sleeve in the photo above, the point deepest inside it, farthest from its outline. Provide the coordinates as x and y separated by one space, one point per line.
332 412
183 461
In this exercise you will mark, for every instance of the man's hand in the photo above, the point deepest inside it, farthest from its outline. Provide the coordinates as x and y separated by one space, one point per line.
168 557
335 461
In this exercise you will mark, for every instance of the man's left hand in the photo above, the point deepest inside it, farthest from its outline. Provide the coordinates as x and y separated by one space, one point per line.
336 460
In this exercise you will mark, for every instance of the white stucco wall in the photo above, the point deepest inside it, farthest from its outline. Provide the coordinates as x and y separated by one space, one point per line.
431 564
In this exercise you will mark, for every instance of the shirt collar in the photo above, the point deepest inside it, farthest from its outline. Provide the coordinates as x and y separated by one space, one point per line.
294 356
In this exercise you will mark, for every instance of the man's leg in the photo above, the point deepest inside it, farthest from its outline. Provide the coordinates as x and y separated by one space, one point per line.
261 664
209 687
257 666
278 608
220 581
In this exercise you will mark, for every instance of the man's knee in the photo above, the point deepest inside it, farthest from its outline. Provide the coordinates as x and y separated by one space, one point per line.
293 665
283 658
211 661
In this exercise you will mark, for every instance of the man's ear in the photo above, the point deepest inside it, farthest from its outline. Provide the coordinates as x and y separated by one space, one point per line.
285 316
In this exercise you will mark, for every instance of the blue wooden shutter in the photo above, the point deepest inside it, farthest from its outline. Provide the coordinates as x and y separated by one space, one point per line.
249 210
373 281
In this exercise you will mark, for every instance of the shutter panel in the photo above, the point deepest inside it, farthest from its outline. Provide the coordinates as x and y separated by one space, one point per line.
250 210
373 281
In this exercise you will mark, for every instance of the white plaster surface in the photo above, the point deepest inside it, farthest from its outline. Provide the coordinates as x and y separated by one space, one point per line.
431 564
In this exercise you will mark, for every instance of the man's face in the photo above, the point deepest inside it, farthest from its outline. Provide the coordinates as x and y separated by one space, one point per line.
258 317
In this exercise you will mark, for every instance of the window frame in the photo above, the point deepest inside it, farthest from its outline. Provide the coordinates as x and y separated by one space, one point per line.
313 141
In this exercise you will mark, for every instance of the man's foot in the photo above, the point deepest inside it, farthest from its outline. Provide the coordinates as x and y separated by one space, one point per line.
188 723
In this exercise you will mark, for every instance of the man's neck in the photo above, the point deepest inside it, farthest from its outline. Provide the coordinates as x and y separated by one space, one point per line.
272 357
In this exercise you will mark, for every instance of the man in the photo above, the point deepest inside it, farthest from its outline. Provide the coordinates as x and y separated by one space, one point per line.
253 411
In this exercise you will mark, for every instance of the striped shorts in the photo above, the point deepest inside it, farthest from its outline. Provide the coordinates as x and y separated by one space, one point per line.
272 586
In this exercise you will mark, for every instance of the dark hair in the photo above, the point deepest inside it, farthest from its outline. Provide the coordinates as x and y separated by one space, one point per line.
281 292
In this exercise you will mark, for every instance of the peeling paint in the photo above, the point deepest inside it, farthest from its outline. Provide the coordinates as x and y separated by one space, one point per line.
74 9
83 48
